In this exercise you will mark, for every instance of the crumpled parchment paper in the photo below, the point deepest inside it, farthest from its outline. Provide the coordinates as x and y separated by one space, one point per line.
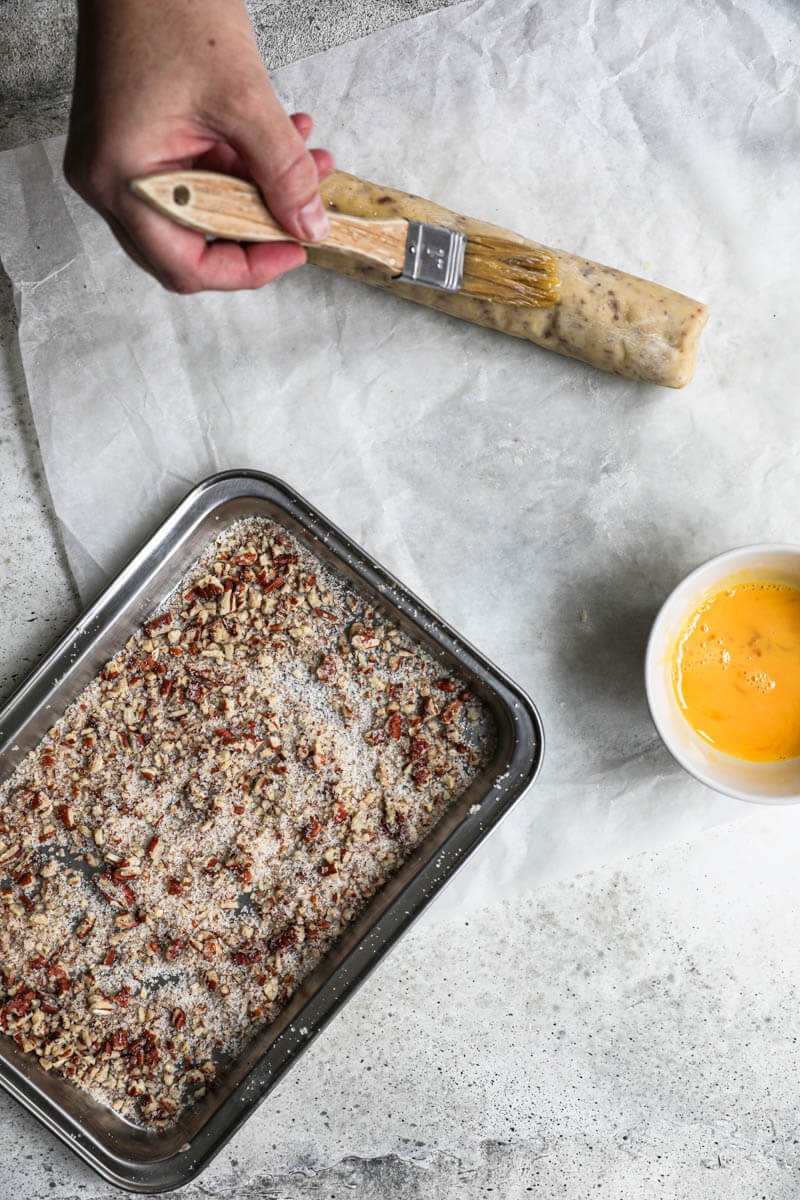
544 508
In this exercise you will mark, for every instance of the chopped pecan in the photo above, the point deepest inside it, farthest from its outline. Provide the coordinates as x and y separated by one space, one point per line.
447 685
86 925
246 957
450 712
158 625
394 726
115 892
417 749
328 670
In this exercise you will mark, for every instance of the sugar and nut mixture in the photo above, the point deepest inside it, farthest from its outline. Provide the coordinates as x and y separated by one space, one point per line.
210 814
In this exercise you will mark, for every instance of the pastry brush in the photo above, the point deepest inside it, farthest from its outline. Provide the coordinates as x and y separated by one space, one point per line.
486 267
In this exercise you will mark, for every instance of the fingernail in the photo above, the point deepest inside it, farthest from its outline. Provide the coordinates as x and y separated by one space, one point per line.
314 220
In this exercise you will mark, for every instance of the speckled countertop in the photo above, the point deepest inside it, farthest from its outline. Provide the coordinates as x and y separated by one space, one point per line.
629 1033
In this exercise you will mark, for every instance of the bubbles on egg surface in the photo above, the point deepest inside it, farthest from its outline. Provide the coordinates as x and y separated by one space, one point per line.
760 680
705 654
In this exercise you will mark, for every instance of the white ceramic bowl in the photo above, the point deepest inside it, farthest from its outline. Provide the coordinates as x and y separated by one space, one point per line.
761 783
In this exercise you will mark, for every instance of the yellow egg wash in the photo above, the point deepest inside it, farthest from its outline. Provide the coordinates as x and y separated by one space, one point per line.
736 672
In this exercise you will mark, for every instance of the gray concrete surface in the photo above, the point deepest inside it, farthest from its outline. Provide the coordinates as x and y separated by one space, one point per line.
37 36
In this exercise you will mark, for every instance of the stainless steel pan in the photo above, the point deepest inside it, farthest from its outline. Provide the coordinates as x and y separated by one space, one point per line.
145 1161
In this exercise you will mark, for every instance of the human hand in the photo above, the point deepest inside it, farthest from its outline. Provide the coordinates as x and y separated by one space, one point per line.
173 84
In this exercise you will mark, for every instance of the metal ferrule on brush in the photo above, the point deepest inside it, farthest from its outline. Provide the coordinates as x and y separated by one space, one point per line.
434 257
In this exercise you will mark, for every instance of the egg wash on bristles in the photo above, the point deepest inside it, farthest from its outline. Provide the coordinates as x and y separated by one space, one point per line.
509 272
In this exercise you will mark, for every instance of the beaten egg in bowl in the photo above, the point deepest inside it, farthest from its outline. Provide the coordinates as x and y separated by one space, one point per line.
737 670
722 673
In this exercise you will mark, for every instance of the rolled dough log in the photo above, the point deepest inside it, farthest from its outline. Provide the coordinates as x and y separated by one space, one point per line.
611 320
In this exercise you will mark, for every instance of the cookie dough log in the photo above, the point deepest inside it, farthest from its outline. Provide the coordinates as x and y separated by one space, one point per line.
611 320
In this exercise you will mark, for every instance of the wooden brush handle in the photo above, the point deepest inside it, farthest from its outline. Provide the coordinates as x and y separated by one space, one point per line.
226 207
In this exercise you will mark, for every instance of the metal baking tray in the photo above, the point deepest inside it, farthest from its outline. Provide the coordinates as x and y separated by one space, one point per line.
141 1160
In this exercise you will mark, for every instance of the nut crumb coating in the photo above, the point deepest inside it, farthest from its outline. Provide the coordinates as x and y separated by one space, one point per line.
211 813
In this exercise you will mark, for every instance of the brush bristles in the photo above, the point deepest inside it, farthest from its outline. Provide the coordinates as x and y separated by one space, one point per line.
509 273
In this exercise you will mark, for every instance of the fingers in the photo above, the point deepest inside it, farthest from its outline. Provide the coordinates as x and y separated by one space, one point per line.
303 123
149 96
129 246
271 145
181 259
185 262
224 158
324 162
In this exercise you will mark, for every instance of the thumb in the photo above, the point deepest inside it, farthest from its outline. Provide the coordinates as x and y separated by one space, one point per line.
276 157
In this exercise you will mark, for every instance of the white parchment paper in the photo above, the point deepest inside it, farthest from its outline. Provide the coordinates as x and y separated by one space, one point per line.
544 508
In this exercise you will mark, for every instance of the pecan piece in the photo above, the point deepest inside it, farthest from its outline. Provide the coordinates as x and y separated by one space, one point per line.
244 958
394 726
417 749
158 625
313 828
450 712
115 892
327 669
155 848
446 685
86 926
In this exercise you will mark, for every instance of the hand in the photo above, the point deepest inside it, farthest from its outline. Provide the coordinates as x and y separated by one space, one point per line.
168 84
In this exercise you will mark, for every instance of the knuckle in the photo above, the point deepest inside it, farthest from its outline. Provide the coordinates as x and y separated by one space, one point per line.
93 179
255 285
77 176
182 285
295 177
244 98
87 165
